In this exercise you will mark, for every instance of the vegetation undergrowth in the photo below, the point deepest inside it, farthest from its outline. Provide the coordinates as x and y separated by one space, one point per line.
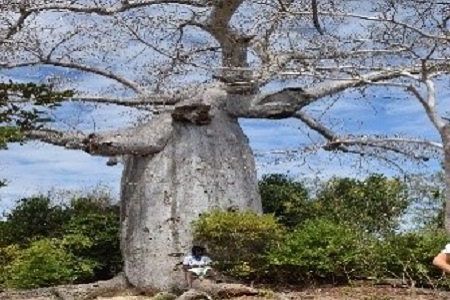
345 230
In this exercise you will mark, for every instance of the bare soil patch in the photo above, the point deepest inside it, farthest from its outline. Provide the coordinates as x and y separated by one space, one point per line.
354 292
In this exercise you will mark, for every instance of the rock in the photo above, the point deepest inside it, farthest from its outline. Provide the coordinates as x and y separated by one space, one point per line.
164 296
208 290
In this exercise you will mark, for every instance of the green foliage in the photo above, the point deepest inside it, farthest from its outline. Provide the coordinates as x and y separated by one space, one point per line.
45 263
374 204
16 117
337 237
98 219
32 218
7 256
320 249
287 199
408 255
428 194
86 231
102 230
238 241
9 134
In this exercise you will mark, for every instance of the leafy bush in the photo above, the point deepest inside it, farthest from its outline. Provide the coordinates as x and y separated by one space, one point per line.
45 262
409 255
32 218
95 217
238 241
320 250
374 204
7 255
102 230
87 228
287 199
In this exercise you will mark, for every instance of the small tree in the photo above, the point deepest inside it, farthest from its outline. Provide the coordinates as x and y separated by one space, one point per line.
374 204
287 199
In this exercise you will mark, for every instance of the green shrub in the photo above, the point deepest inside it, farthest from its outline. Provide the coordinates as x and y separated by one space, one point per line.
238 241
45 262
287 199
409 256
7 255
320 250
374 204
102 230
32 218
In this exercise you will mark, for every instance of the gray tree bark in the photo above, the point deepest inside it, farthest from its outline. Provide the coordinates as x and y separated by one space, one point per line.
206 164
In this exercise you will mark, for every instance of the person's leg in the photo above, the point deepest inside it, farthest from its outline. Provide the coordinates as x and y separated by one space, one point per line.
189 278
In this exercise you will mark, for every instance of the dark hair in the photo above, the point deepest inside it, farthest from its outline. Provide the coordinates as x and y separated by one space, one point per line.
198 250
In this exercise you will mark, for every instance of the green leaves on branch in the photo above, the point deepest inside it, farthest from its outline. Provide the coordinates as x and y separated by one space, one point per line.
38 94
22 107
9 134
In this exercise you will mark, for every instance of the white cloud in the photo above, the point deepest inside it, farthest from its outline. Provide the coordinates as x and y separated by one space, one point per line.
37 168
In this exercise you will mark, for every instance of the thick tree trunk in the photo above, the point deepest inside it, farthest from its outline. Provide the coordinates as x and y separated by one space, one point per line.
204 165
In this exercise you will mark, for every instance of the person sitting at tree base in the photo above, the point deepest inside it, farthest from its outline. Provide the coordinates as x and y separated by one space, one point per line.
197 264
442 260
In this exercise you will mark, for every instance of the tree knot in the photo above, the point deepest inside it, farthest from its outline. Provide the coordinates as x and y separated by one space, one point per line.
197 113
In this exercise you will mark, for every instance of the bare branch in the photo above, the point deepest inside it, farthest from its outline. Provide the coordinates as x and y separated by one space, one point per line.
332 89
378 19
72 65
315 14
147 99
316 126
118 8
140 140
382 142
288 101
12 30
143 139
430 105
428 102
68 140
336 142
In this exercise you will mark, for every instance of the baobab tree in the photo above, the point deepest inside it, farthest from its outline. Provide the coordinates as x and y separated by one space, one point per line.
198 66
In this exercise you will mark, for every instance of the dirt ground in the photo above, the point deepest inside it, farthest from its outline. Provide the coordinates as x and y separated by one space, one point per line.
364 293
336 293
354 292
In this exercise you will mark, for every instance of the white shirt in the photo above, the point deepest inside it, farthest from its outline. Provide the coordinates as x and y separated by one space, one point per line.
446 249
191 261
